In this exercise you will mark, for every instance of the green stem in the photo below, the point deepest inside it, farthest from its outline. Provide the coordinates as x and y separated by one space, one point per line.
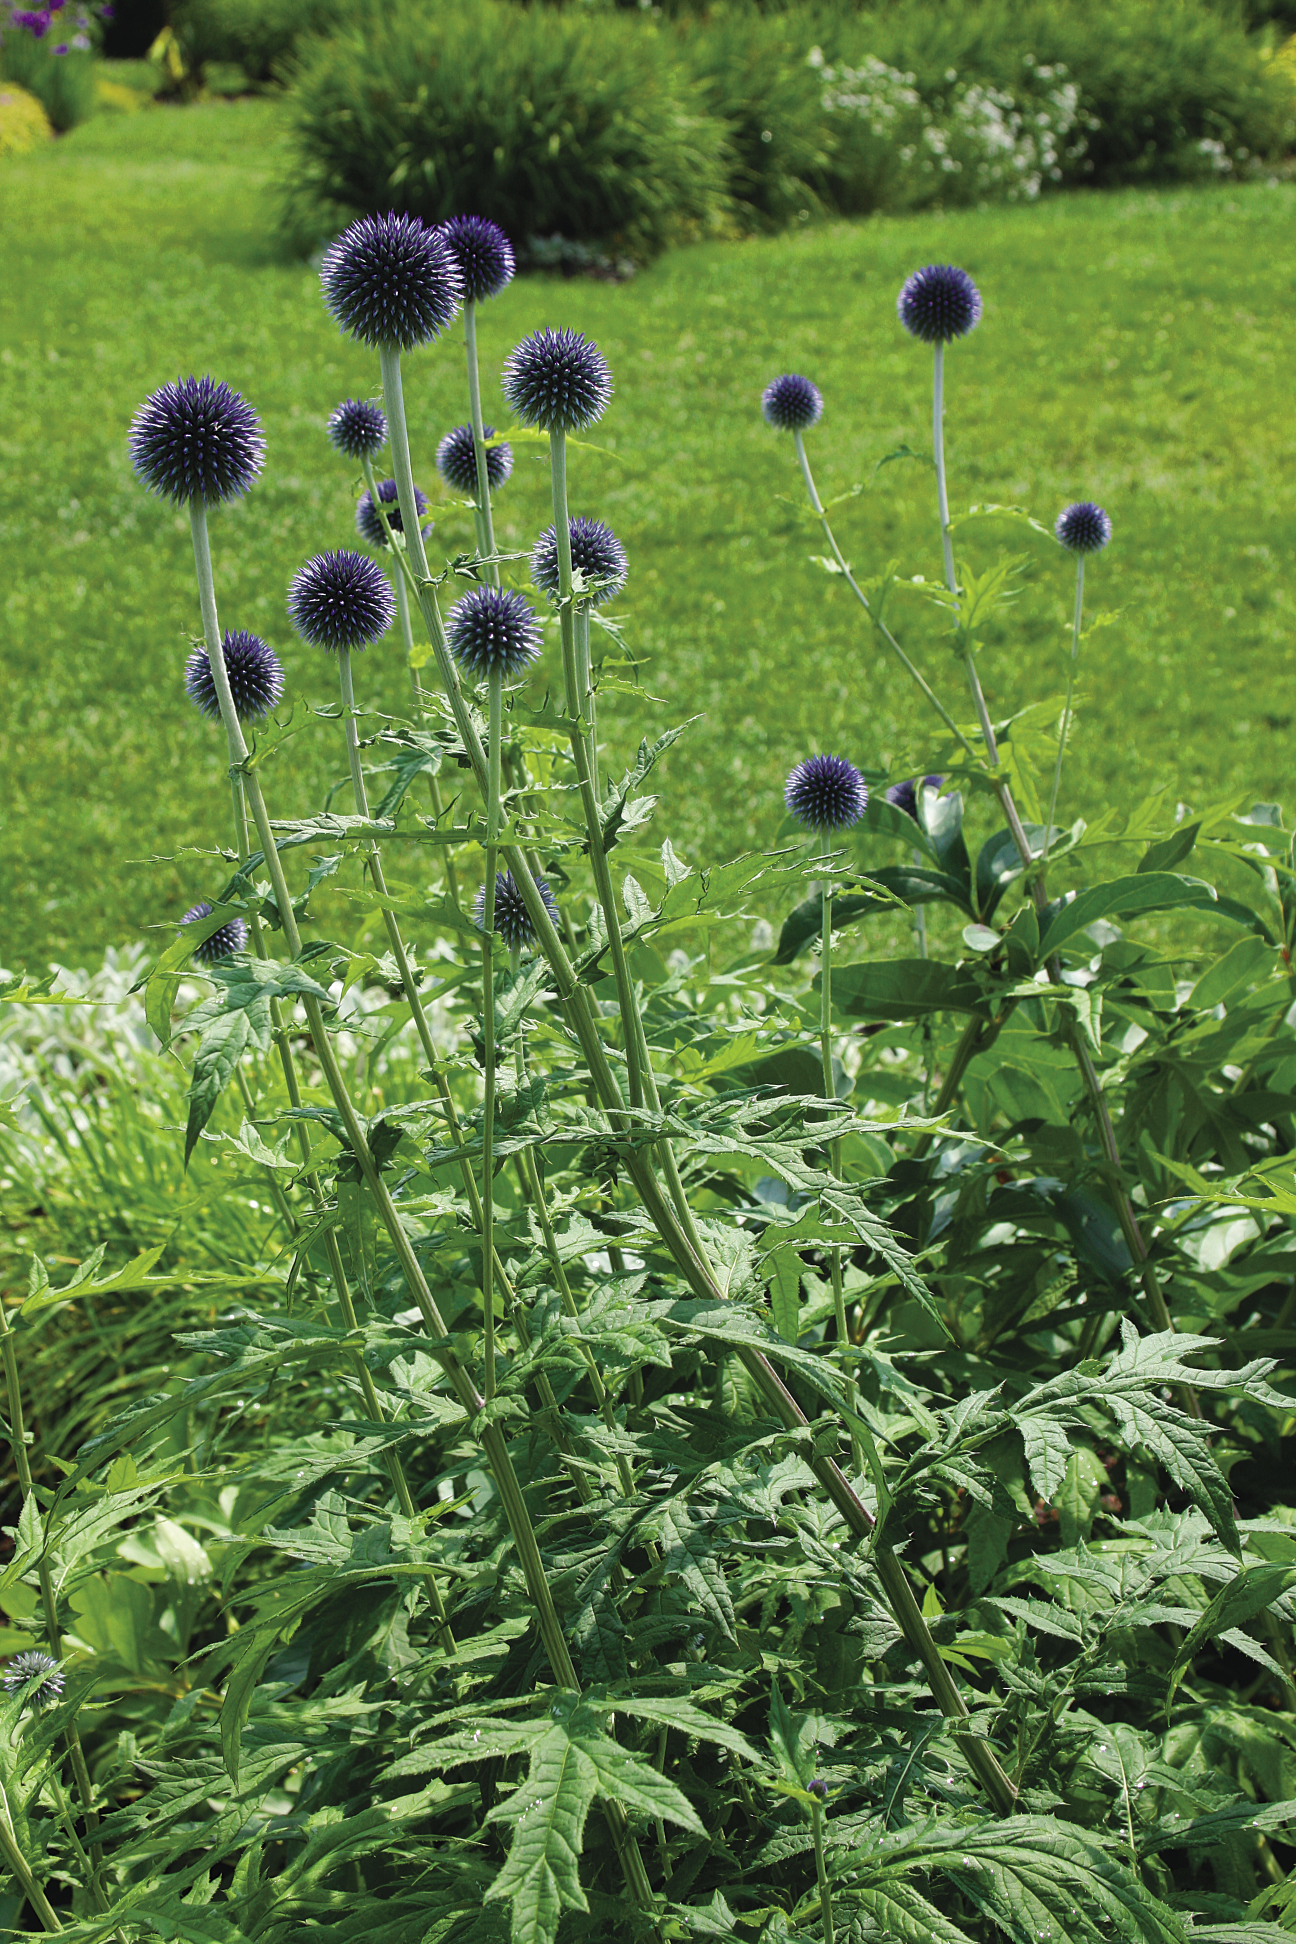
585 686
938 450
21 1870
1066 711
484 514
834 1148
821 1872
495 737
407 637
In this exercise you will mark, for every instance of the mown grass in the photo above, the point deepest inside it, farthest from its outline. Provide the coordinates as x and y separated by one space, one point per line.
1132 351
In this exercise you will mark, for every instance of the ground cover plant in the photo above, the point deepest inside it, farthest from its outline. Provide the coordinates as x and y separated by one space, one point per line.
668 1435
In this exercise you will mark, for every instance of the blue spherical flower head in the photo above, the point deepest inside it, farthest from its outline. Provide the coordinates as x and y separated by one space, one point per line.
341 600
390 281
457 462
939 303
256 677
483 253
595 551
368 524
34 1666
557 381
493 631
223 942
1083 528
905 795
826 792
357 428
791 404
512 919
197 440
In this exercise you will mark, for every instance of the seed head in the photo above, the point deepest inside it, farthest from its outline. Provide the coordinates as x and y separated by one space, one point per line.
196 440
493 631
939 303
358 428
512 920
391 281
557 381
42 1669
370 527
818 1788
826 792
791 404
341 600
595 550
905 795
256 677
457 462
223 943
1083 528
483 253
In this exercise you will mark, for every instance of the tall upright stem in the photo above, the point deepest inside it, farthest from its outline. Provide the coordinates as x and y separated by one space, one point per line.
484 514
938 451
494 738
585 686
1066 711
821 1873
834 1149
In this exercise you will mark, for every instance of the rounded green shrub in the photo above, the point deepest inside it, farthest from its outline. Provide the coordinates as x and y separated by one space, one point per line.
586 127
256 35
64 84
24 124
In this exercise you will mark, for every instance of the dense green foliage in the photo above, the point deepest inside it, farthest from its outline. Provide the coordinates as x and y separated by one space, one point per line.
62 83
256 35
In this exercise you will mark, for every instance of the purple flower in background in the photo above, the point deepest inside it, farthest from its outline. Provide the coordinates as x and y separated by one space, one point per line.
826 792
457 462
341 600
493 631
357 428
223 942
37 24
62 48
939 303
595 550
390 280
791 404
483 253
368 524
512 919
557 381
1083 528
197 440
256 677
905 795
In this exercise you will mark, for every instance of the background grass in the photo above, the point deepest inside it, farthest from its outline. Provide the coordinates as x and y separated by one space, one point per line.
1132 351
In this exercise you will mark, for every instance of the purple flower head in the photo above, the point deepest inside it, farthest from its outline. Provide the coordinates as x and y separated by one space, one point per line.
107 13
457 463
223 942
557 381
939 303
483 253
390 281
826 792
357 428
370 527
197 440
791 404
818 1788
256 677
37 24
493 631
341 600
512 919
35 1667
905 795
1083 528
62 48
595 551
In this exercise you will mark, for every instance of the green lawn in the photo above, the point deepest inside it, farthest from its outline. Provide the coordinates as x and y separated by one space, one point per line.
1134 349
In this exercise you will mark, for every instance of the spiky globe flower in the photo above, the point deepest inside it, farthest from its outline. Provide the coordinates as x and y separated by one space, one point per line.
791 403
493 631
905 795
457 462
41 1668
557 381
826 792
483 253
197 440
595 550
512 919
256 676
223 942
368 524
358 428
818 1788
1083 528
391 281
939 303
341 600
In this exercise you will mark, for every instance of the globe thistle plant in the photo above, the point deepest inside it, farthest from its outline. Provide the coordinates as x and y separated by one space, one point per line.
791 404
1083 528
229 938
391 281
357 428
905 795
595 552
483 253
557 381
826 793
39 1673
341 600
493 631
512 919
368 522
196 442
456 460
253 670
939 303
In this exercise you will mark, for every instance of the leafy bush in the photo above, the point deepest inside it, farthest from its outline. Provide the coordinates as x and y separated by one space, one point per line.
62 83
24 124
257 35
548 123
